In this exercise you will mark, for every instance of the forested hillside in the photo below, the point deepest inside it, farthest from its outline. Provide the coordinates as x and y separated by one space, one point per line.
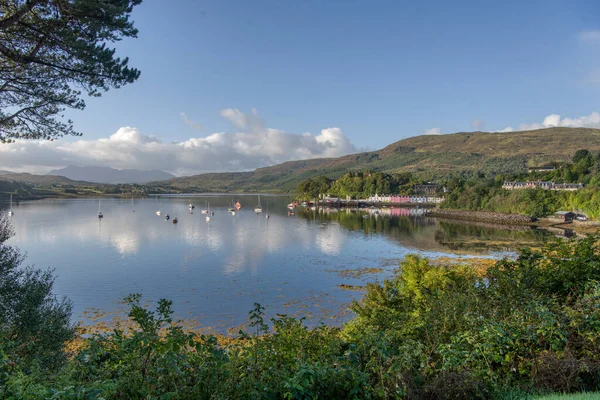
427 157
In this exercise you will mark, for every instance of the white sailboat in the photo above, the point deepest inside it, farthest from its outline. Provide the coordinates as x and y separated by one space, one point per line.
267 216
100 215
207 212
10 210
258 208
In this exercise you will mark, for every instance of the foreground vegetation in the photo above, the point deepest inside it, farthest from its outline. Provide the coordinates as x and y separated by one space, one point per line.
432 331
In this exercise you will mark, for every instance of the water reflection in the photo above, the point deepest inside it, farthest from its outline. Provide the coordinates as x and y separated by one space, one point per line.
411 228
217 270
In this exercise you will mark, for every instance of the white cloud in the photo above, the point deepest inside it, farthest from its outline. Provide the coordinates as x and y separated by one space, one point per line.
553 120
507 129
433 131
477 124
252 146
590 36
190 123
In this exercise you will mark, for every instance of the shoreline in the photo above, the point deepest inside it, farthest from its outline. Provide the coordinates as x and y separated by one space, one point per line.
567 228
475 216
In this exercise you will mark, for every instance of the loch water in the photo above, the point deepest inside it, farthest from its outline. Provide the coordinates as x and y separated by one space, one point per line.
215 271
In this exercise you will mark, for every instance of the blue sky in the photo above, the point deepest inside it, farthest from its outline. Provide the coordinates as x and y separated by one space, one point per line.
378 70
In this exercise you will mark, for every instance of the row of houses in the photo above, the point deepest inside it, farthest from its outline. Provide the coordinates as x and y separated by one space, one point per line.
541 169
542 185
399 199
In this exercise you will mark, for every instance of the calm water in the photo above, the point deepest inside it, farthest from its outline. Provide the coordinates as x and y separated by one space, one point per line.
215 271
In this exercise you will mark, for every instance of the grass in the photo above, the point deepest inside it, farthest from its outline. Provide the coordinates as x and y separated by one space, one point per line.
575 396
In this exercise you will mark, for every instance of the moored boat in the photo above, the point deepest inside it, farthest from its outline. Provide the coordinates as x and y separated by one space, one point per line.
258 208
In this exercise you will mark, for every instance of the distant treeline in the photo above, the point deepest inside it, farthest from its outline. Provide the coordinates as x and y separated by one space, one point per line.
358 185
486 193
482 191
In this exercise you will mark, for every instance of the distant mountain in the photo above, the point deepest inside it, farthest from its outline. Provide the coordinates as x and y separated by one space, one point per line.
110 175
4 172
427 156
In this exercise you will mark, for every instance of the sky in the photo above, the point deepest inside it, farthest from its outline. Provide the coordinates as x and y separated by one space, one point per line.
235 85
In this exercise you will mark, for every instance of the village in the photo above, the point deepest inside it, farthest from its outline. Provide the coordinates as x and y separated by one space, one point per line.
542 185
424 194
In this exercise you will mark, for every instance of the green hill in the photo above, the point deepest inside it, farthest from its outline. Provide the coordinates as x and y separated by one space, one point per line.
428 157
39 179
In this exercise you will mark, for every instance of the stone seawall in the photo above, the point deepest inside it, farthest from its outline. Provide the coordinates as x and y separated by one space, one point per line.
481 216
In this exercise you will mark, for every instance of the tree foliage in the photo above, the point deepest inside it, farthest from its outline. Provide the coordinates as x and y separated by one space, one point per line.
357 185
51 51
34 325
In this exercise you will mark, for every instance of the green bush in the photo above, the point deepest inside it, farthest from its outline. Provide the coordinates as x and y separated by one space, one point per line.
432 331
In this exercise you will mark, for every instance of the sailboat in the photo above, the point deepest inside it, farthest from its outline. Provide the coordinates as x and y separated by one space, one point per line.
207 212
10 210
99 212
191 206
238 205
258 208
267 216
158 212
231 208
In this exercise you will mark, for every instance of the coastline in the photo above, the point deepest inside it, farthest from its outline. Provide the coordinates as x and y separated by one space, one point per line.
564 228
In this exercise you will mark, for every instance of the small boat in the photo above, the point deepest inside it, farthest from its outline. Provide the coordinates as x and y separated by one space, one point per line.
267 216
175 220
231 207
99 212
291 213
10 210
208 212
258 208
205 211
158 212
291 206
238 205
167 217
191 206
